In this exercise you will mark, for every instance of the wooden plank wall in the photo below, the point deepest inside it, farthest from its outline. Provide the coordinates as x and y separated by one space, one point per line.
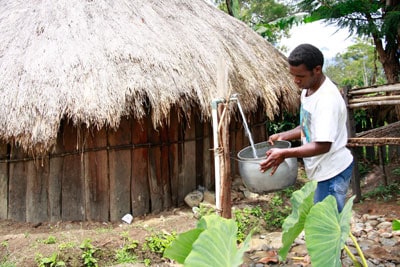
72 182
140 160
101 175
3 180
36 190
120 162
96 178
56 167
17 185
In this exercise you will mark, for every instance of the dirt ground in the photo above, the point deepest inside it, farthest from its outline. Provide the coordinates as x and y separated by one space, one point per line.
22 243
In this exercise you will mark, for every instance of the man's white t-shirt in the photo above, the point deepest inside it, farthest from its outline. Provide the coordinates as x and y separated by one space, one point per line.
323 117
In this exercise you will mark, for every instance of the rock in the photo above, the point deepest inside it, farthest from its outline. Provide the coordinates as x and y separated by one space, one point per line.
384 225
194 198
209 197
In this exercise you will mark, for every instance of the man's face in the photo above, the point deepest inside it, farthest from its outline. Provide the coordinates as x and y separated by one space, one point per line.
303 77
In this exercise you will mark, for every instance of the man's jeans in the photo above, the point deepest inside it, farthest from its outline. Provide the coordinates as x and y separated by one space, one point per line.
336 186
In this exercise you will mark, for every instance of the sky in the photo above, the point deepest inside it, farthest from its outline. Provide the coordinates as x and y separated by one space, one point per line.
322 36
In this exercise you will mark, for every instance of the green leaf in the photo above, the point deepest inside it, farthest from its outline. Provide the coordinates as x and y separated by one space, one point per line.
344 220
302 200
326 232
216 246
182 245
396 225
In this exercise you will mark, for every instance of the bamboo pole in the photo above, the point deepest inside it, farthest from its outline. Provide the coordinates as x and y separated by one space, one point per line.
375 103
374 98
225 163
383 88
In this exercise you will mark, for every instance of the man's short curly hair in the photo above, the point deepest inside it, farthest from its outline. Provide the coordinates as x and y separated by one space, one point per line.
308 55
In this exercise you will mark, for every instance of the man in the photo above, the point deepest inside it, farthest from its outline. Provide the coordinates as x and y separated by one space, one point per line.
322 128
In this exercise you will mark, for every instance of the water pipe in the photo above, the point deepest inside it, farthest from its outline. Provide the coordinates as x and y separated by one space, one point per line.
217 171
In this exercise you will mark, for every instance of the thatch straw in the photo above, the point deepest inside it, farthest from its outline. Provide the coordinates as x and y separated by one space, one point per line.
94 61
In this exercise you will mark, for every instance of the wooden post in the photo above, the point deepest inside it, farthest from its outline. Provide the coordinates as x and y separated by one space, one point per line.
355 181
225 164
382 153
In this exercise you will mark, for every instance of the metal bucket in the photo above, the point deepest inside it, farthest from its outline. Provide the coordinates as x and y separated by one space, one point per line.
263 182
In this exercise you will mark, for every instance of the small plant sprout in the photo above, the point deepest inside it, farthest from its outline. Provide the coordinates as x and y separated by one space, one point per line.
88 253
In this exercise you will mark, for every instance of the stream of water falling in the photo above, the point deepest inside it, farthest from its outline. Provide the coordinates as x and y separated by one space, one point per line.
248 133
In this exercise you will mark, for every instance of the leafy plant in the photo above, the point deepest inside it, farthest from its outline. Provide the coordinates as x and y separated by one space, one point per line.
5 244
4 261
396 171
126 253
66 245
51 261
88 253
384 193
212 243
205 209
246 221
147 262
363 168
50 240
255 218
158 242
326 230
7 264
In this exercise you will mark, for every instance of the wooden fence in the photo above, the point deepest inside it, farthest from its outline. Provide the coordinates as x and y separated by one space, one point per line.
376 139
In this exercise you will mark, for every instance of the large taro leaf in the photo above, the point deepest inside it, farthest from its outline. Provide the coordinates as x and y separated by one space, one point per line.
212 243
182 245
302 200
180 248
326 231
216 245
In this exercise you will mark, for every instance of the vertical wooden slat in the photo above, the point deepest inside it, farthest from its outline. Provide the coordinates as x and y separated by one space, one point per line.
72 195
199 133
17 186
258 129
187 178
97 186
3 181
36 191
165 173
140 193
155 183
55 179
173 157
120 163
208 160
232 143
239 140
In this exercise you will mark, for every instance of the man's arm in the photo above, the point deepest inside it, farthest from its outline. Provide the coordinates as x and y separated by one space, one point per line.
293 134
276 156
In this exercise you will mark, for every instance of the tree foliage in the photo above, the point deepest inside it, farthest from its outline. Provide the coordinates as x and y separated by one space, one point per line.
356 66
270 18
376 19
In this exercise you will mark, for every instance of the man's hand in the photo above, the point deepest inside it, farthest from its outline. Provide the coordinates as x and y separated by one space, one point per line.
273 138
275 156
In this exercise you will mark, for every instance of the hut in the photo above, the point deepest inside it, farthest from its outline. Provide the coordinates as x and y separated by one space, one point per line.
105 105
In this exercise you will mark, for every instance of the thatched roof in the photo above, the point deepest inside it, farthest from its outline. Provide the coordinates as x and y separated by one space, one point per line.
95 61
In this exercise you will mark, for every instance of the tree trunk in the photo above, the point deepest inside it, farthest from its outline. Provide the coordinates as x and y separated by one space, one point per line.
388 55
